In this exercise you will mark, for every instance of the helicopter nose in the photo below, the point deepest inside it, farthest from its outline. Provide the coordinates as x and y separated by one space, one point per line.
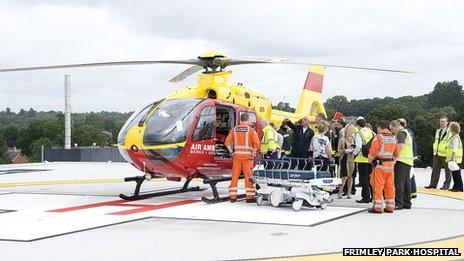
124 153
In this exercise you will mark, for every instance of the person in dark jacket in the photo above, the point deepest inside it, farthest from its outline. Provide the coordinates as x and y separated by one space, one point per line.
287 134
302 136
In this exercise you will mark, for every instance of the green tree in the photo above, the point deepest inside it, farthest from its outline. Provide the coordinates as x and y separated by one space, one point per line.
3 147
93 119
284 106
39 128
446 94
86 135
460 116
388 112
337 103
31 113
22 113
59 141
36 148
10 135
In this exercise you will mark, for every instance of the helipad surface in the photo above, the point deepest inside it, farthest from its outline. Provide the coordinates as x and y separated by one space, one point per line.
52 211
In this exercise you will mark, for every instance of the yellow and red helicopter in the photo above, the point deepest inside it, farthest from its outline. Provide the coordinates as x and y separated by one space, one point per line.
182 135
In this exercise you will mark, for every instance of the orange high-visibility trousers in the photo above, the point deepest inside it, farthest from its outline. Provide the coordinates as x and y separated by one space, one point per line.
384 188
240 165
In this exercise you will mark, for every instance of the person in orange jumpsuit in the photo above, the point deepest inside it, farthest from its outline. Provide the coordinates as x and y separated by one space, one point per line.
382 155
243 142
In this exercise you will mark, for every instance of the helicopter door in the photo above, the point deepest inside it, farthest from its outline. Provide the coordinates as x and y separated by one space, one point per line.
225 121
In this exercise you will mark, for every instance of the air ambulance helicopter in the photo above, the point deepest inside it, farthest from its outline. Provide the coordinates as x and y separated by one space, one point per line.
182 135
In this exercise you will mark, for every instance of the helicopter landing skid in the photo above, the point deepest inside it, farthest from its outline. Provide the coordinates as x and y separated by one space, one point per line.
140 179
216 198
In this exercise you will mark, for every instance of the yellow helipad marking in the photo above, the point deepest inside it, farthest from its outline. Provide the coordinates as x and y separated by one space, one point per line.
443 193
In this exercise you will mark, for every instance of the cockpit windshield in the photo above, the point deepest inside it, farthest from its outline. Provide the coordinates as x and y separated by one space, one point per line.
170 122
135 118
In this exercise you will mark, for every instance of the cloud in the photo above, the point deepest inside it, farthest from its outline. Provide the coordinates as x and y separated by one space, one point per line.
423 36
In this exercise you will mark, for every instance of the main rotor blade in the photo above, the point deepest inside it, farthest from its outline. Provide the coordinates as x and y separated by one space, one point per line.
347 67
181 76
191 61
285 61
238 62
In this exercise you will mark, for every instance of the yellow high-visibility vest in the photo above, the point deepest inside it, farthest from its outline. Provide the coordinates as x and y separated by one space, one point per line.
269 141
366 136
439 146
407 154
458 152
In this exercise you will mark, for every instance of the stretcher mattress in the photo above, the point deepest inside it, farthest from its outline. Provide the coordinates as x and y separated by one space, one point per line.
286 174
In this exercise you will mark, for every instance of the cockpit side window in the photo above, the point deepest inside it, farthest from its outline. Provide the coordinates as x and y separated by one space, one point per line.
205 125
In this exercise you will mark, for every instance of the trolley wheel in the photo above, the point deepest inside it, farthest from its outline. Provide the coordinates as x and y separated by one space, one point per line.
305 203
259 200
275 198
297 204
323 206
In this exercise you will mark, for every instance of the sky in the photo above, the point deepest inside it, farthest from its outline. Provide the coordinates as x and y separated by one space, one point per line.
422 36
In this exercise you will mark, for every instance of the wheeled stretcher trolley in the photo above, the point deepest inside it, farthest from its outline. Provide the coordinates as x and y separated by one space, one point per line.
294 181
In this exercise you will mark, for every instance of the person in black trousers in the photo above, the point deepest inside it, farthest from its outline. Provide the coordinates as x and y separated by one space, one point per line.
439 156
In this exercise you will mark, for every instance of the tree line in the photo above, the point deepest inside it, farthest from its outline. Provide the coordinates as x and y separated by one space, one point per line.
30 130
421 112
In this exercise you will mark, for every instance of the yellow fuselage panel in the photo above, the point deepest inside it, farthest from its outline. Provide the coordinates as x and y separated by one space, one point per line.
225 90
134 136
219 82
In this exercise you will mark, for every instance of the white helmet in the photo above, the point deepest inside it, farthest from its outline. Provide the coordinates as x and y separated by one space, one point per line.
453 166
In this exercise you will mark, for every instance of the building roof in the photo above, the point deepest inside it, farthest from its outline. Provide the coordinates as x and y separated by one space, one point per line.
12 153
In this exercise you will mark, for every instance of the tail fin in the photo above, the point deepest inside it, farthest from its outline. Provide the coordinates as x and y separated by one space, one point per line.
310 103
